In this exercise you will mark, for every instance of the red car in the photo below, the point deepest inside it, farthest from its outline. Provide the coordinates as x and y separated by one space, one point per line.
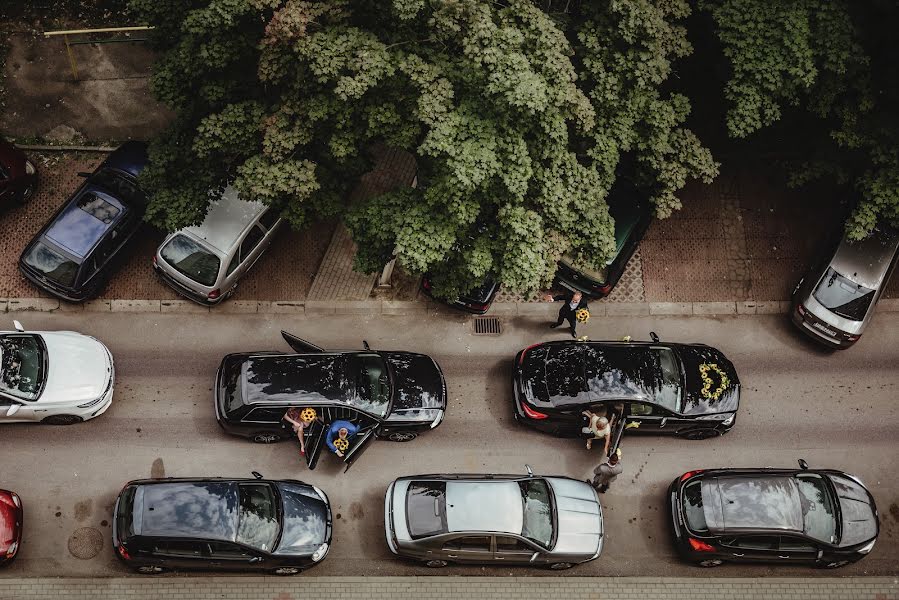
18 177
10 526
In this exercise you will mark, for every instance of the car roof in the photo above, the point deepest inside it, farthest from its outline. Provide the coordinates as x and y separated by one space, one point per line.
867 261
767 501
76 230
227 218
190 509
319 377
484 506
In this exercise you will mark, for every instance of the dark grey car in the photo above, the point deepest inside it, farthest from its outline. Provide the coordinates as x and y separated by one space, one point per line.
493 519
835 301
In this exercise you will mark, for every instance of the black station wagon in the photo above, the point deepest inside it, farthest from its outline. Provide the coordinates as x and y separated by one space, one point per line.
281 527
390 395
807 516
73 256
689 390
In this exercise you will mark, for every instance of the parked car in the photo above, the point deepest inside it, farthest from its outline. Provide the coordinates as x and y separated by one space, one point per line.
688 390
55 377
391 395
834 303
550 521
476 301
205 263
74 254
632 214
11 518
280 527
18 176
820 517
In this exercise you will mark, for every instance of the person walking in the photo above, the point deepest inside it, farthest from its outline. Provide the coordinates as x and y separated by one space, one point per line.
571 304
607 472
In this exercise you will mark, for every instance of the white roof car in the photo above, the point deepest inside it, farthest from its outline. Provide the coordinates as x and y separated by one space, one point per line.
56 377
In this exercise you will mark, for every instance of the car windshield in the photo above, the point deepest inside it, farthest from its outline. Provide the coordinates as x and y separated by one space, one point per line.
426 508
818 518
21 365
119 186
668 388
258 519
536 504
843 296
372 385
192 260
52 264
694 513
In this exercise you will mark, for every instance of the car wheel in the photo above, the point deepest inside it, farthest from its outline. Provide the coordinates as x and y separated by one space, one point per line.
559 566
700 434
150 570
286 571
835 564
402 436
266 438
711 562
62 420
436 564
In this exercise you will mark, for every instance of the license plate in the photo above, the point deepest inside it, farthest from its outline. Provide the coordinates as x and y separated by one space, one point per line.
821 327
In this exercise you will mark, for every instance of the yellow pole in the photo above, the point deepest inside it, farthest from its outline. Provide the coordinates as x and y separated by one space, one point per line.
71 58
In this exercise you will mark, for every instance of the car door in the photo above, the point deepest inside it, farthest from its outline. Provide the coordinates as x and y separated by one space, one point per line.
228 556
510 549
181 554
300 345
363 440
469 549
753 548
650 418
314 438
12 411
798 550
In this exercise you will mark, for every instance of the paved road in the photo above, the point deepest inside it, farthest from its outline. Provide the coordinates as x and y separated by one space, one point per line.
834 409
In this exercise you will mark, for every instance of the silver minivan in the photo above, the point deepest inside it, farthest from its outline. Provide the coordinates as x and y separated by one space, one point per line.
205 262
835 301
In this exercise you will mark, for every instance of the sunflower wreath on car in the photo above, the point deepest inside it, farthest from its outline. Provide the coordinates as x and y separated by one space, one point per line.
308 415
582 315
707 391
341 444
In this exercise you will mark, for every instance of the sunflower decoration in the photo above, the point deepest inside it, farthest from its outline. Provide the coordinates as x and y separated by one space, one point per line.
341 444
708 391
307 415
582 315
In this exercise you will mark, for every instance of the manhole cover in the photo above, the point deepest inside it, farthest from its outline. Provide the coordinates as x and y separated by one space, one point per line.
487 326
86 543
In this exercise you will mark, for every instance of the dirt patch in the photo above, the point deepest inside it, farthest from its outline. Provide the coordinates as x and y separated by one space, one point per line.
83 509
157 471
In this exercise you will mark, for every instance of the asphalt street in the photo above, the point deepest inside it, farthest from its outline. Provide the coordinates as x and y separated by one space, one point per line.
836 410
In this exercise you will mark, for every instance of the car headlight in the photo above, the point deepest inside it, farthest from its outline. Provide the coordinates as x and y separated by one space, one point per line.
12 550
321 494
320 553
867 547
92 402
725 418
15 500
29 167
729 420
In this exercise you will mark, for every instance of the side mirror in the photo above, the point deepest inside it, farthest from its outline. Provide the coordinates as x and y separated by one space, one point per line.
84 174
530 472
255 559
18 326
365 345
802 464
654 337
256 474
13 409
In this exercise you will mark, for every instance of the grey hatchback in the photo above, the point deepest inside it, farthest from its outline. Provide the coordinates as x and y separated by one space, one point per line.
835 301
493 519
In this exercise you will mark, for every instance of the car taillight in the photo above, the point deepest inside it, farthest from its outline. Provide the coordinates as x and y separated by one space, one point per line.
700 546
800 309
526 350
603 289
154 260
214 294
530 412
689 474
426 284
852 338
123 552
478 306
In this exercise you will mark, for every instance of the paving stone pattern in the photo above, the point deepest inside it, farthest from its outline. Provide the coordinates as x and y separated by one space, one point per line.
445 588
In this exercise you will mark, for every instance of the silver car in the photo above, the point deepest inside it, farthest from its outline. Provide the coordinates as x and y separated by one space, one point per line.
204 263
834 302
493 519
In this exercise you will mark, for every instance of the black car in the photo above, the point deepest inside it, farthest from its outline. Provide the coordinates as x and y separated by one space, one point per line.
476 301
74 254
689 390
18 176
391 395
791 516
281 527
632 213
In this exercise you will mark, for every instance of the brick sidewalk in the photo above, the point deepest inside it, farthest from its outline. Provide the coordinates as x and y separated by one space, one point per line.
445 588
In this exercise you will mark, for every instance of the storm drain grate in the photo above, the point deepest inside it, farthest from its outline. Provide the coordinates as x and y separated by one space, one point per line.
487 326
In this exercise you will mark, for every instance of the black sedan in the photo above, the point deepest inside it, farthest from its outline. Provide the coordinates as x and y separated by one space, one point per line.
801 516
75 253
689 390
476 301
281 527
391 395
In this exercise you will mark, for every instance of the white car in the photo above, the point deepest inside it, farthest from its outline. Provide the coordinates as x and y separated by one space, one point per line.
56 377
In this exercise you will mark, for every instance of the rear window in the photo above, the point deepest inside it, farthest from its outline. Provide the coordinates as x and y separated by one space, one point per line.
842 296
120 186
694 513
124 521
426 508
192 260
52 264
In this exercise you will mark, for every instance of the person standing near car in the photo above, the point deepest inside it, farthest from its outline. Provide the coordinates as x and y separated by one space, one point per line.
340 433
300 419
571 303
607 472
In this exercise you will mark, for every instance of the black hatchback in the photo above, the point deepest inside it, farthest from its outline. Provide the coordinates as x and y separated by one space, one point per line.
74 254
280 527
390 395
688 390
799 516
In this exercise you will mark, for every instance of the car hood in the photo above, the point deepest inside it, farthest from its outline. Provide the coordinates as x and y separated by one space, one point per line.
307 520
78 367
695 402
579 517
857 510
418 381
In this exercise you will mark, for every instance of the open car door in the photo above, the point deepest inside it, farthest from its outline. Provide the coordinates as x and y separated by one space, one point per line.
300 345
617 432
314 440
362 441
